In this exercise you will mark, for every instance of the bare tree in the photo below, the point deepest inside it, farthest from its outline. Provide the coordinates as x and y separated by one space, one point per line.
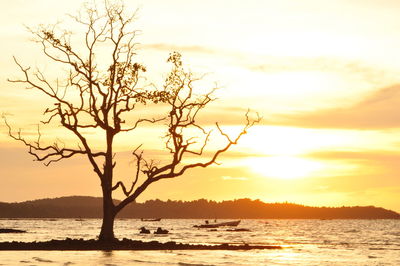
92 97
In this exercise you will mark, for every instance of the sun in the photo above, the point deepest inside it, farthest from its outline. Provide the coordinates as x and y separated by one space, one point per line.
283 167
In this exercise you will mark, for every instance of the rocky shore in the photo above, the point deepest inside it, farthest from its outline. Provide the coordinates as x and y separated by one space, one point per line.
124 244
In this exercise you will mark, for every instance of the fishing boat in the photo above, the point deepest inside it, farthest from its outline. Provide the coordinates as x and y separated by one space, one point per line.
215 225
151 220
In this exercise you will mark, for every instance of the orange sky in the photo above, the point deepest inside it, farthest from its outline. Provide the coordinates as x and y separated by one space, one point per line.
323 74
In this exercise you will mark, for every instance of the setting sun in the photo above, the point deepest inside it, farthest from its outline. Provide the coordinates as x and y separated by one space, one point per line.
283 167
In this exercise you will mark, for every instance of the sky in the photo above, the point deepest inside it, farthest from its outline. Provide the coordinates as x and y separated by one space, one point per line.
324 75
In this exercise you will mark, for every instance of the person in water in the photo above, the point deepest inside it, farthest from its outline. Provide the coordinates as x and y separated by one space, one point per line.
143 230
161 231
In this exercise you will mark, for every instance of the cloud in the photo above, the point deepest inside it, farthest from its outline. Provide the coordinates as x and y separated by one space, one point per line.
364 71
380 110
179 48
376 167
240 178
365 155
269 63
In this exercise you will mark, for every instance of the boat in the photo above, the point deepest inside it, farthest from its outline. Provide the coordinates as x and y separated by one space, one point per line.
151 220
11 230
215 225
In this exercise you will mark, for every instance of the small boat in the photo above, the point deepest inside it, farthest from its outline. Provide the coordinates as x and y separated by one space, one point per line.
11 230
215 225
151 220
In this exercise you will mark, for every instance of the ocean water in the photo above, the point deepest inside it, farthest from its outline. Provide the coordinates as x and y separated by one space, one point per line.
305 242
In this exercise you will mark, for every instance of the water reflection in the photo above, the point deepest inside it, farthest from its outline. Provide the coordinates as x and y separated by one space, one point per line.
107 253
306 242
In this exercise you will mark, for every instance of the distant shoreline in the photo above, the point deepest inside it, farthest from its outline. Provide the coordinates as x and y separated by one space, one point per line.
84 207
82 219
124 244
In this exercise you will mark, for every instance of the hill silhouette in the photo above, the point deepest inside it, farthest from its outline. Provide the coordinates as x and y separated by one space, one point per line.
91 207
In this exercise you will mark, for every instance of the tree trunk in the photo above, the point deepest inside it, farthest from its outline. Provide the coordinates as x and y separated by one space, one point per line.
107 227
109 211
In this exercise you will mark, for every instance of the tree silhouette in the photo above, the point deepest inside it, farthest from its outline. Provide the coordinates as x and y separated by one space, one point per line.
99 93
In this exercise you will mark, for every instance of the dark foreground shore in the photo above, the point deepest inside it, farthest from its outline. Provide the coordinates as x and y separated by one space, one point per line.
124 244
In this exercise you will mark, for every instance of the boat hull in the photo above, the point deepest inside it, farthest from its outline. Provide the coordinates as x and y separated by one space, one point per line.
215 225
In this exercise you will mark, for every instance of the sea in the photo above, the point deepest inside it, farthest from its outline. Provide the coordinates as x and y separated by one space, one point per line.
304 242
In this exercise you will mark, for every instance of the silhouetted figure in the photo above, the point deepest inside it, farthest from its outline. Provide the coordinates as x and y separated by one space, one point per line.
206 221
161 231
143 230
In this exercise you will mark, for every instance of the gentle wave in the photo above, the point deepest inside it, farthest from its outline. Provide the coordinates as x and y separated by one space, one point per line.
305 242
